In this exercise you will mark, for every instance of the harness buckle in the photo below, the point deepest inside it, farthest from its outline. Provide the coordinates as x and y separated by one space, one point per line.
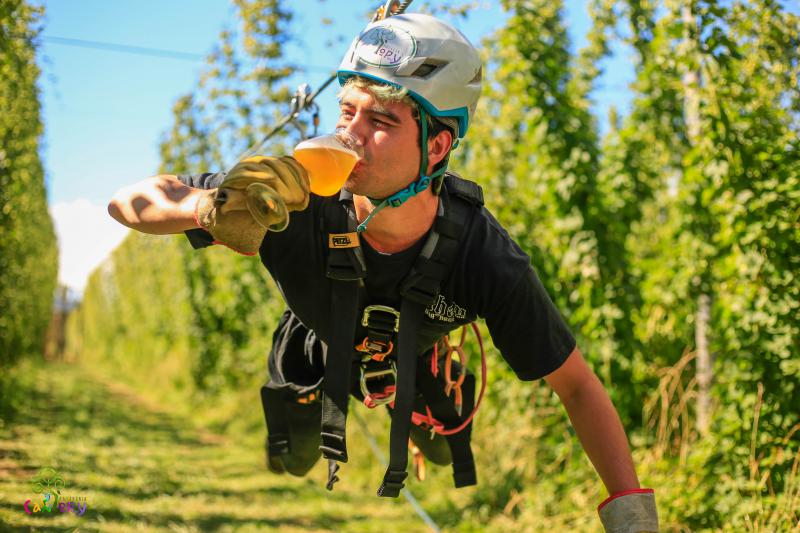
374 399
380 322
374 349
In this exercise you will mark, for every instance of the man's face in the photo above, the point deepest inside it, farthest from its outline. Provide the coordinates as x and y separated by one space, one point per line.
389 135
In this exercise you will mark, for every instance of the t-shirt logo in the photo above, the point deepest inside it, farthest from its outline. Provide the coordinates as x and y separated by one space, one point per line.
446 312
385 46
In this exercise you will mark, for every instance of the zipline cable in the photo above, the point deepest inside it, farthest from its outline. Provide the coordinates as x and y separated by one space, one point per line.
304 100
125 48
382 459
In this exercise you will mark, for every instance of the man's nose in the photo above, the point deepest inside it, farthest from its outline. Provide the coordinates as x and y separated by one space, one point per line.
357 128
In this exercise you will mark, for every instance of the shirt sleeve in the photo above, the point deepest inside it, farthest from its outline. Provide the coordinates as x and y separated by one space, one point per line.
206 180
198 237
529 331
524 323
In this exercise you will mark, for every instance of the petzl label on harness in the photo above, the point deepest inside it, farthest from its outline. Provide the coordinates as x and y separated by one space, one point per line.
343 240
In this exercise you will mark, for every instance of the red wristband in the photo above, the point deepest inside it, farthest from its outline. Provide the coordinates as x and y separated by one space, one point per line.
624 493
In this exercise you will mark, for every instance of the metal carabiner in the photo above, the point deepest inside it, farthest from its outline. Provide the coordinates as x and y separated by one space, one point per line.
373 374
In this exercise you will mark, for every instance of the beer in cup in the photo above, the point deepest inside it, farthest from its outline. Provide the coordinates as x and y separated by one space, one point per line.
328 159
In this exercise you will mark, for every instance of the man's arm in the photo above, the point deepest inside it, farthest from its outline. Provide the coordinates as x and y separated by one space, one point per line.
596 422
159 205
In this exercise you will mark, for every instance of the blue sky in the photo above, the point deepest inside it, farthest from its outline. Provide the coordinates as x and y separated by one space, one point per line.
104 111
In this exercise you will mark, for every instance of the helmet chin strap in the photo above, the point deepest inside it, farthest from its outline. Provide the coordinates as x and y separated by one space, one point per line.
416 187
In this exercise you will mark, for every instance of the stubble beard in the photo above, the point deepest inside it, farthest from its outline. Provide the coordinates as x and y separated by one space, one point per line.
359 184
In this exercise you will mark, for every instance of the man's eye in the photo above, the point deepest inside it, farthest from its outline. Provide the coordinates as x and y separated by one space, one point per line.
381 123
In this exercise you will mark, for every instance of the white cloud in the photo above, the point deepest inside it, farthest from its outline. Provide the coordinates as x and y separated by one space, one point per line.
86 235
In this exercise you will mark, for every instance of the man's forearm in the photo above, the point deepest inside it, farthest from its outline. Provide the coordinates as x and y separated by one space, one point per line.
158 205
600 431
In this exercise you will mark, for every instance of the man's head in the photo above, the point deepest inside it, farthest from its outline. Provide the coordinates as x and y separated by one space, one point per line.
385 120
431 70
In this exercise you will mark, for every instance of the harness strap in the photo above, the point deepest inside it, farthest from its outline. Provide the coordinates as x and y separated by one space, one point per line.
420 287
338 368
411 314
275 417
347 268
418 290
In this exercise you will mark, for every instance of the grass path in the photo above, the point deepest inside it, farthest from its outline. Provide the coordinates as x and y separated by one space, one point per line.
142 469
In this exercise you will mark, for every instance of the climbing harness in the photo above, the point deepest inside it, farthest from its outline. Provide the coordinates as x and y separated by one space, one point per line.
347 271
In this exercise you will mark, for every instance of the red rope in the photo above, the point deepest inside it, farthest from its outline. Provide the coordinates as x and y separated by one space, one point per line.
438 427
369 400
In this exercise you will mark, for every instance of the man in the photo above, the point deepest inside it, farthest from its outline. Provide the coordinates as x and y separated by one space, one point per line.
401 235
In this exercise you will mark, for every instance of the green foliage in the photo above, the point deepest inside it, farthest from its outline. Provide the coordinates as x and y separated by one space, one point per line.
694 192
627 232
28 252
543 179
117 325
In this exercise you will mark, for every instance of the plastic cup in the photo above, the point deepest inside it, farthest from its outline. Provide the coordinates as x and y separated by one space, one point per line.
329 159
265 205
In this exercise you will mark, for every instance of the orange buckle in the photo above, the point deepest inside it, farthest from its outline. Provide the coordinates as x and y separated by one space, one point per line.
312 396
376 350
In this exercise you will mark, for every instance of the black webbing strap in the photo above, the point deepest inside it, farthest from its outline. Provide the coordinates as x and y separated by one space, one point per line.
275 417
346 272
336 385
418 290
443 409
411 314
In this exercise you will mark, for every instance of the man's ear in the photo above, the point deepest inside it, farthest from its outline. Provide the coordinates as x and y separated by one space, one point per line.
438 147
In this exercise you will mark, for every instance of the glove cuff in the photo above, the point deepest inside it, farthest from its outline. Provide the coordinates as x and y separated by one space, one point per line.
205 218
630 511
623 493
205 209
248 254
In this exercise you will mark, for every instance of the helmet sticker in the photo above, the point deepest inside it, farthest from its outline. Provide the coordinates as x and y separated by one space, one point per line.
385 46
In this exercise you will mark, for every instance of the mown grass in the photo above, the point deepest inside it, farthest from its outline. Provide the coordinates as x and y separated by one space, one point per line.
142 468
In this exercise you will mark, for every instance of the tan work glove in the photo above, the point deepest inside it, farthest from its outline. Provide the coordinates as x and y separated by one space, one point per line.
631 511
257 194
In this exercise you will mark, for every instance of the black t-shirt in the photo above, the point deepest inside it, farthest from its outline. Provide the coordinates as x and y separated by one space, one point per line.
492 278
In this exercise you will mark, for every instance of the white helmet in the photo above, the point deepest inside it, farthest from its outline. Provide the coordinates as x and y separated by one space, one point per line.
433 60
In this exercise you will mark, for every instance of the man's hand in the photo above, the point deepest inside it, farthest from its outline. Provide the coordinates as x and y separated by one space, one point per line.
258 193
632 511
